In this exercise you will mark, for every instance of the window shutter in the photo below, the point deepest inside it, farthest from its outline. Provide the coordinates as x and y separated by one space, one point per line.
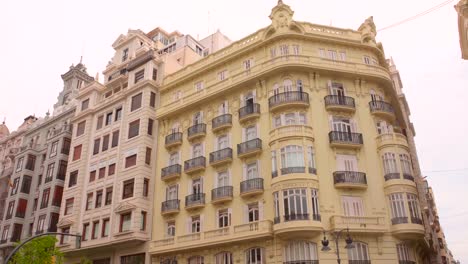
188 225
201 116
230 215
189 187
330 122
329 84
260 210
353 126
242 100
202 226
215 143
254 94
243 134
246 213
201 185
167 193
215 180
259 169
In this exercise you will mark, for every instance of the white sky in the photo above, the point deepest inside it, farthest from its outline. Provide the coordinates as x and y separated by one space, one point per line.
41 39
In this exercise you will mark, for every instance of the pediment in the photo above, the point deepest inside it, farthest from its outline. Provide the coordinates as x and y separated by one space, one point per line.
124 206
119 40
65 222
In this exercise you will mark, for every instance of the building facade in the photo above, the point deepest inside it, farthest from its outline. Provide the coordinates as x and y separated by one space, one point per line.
462 9
293 133
111 174
39 168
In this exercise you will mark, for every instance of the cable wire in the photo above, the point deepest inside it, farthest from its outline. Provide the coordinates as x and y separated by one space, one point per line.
417 15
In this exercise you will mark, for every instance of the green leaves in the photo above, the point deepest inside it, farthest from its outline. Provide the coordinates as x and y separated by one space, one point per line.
40 250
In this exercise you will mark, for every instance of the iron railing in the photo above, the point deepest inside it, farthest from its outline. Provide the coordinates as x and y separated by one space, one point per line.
221 120
249 146
195 199
408 177
251 185
288 97
171 170
392 176
416 220
196 129
345 137
170 205
249 110
290 170
399 220
380 106
301 262
195 163
174 138
296 217
221 192
349 177
222 154
339 100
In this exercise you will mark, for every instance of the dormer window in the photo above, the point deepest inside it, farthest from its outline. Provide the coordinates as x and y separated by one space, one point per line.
125 54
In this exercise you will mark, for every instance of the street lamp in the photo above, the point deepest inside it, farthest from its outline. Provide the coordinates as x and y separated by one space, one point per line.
337 235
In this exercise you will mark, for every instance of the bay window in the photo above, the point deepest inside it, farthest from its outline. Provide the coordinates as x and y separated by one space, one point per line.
295 205
292 159
297 252
397 208
286 119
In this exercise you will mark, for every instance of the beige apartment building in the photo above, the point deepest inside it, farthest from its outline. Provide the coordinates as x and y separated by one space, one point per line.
462 10
108 198
295 134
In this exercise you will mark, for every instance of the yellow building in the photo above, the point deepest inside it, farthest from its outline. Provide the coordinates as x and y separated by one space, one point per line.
291 131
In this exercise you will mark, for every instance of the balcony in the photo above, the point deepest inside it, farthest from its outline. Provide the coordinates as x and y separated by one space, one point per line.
399 220
221 194
359 262
340 103
416 220
249 112
221 157
345 139
359 224
194 201
350 179
382 109
171 172
170 207
251 187
403 229
406 262
215 237
249 148
196 131
290 170
194 165
174 139
391 140
291 131
288 99
407 176
301 262
296 217
297 226
392 176
221 122
117 78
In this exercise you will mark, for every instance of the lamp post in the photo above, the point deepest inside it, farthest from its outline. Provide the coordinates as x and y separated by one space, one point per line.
337 235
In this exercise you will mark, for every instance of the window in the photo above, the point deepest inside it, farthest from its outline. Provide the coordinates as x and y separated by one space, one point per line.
197 150
130 161
346 162
85 233
196 260
62 171
31 162
26 185
136 102
222 75
63 239
222 179
108 196
11 205
352 206
170 229
276 205
274 165
95 232
133 259
139 75
366 60
342 55
311 160
223 142
148 156
224 218
389 164
195 224
134 128
66 146
89 201
108 118
251 171
73 178
322 53
247 64
50 172
284 50
53 149
332 55
124 54
152 99
128 189
254 256
40 223
296 49
35 204
294 118
105 228
251 133
223 258
97 144
150 126
19 164
143 221
98 199
92 176
405 254
397 208
253 212
58 193
118 114
198 86
5 232
39 180
77 153
68 206
111 170
145 187
406 165
295 204
358 252
45 198
102 172
105 142
100 121
84 104
292 156
14 189
155 75
413 206
125 222
115 138
300 252
273 52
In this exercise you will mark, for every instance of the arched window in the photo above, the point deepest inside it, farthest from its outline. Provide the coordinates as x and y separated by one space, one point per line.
297 252
254 256
195 260
287 85
359 252
223 258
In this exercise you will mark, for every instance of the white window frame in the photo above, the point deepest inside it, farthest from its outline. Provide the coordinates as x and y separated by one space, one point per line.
360 251
254 256
397 205
295 202
300 252
292 156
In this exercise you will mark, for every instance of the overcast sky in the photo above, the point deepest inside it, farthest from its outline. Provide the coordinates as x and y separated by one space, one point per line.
41 39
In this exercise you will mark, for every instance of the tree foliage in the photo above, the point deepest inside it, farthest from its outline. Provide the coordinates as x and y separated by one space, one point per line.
39 250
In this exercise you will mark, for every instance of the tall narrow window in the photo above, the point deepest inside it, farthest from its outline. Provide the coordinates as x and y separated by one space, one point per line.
274 166
254 256
413 206
390 166
128 188
89 201
45 198
405 254
145 187
311 160
66 146
136 102
108 196
406 166
95 232
315 205
254 212
292 159
295 205
359 252
105 227
73 179
80 128
115 138
143 221
68 206
276 205
397 208
105 142
352 206
98 199
300 252
134 128
125 222
150 126
108 118
148 156
224 218
100 121
139 75
85 233
77 153
170 229
195 224
118 114
62 171
152 99
84 104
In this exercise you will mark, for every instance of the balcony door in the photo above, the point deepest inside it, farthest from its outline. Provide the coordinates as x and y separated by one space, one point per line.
352 206
375 97
287 85
337 89
174 158
252 171
251 133
346 163
197 150
197 118
197 186
249 100
342 125
171 192
222 179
